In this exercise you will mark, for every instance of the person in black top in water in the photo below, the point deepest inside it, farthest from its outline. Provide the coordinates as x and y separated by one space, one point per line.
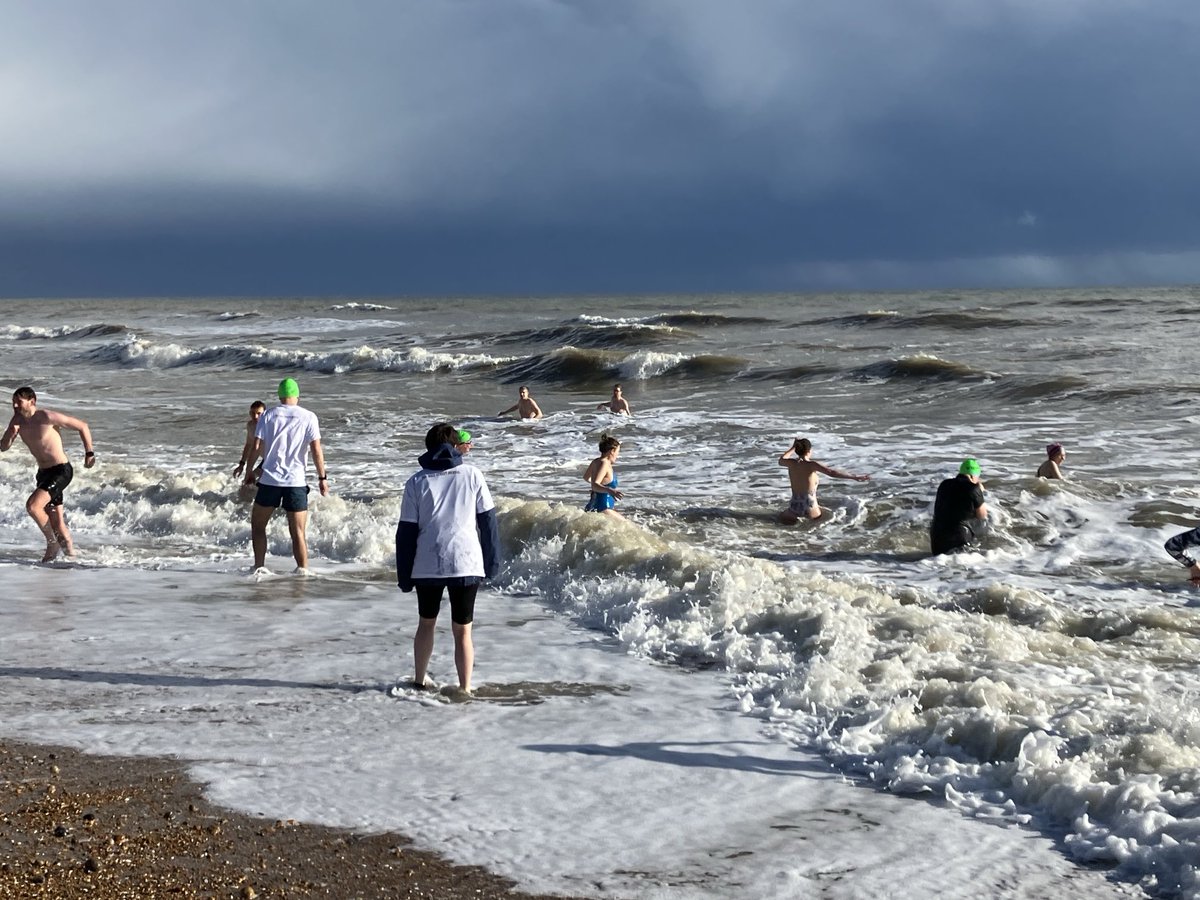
959 513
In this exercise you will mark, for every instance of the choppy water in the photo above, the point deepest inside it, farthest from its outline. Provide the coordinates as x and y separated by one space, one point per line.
1048 678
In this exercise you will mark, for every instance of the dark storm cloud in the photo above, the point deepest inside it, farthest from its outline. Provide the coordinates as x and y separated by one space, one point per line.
538 146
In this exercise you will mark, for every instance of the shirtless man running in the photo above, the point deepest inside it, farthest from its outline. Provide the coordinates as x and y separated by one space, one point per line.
38 428
804 473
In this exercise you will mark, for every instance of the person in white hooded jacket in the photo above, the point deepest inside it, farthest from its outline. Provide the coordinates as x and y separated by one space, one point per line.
447 542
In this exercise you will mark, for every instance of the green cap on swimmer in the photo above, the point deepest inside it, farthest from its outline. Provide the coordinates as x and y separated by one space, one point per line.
970 466
464 437
288 388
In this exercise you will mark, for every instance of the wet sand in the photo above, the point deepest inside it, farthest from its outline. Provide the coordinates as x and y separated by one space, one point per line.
73 825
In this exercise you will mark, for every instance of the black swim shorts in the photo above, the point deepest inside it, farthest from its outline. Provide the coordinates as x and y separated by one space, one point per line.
462 593
53 480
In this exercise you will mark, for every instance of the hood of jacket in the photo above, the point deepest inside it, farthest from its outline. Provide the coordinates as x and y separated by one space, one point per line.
444 457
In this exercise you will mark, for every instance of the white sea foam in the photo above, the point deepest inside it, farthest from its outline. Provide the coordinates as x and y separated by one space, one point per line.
649 364
1002 721
368 307
278 693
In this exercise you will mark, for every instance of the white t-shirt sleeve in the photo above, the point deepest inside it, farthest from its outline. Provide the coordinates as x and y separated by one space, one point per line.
410 505
483 497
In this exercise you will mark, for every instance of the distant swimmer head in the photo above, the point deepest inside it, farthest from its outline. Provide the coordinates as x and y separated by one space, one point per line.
1053 450
970 466
288 388
464 437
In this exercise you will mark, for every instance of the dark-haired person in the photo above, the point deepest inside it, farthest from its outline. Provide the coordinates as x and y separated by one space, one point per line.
603 478
1055 454
618 405
803 476
257 408
959 513
447 541
283 437
525 407
39 428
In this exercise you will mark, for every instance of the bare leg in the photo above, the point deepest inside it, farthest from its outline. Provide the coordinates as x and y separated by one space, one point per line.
58 521
814 512
464 655
36 507
52 546
298 526
423 649
259 517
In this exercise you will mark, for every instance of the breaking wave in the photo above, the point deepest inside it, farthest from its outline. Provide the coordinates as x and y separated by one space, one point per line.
137 353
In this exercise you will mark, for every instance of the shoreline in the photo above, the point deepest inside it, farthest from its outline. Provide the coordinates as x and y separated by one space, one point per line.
74 825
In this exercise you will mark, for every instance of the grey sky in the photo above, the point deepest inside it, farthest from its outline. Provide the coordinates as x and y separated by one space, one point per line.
507 146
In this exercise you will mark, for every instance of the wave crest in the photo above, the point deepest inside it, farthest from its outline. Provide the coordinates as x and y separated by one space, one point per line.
65 332
136 353
922 367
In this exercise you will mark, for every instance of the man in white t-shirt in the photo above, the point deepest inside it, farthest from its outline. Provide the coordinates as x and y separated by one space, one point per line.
283 438
446 541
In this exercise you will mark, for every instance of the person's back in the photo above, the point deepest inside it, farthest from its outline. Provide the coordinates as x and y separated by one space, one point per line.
802 475
446 542
446 502
284 437
959 513
286 431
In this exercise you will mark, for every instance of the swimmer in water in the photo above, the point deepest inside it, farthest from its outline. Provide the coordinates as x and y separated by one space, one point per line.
603 479
1055 455
803 475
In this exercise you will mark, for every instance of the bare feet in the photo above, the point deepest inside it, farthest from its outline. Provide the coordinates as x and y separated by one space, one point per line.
51 551
68 548
1194 572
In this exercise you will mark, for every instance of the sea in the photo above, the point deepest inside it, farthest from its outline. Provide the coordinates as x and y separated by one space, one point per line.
694 700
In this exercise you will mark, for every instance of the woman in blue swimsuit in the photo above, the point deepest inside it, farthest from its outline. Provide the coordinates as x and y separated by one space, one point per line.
603 479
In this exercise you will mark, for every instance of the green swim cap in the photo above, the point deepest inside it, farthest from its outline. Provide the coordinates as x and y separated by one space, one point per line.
288 388
970 466
464 437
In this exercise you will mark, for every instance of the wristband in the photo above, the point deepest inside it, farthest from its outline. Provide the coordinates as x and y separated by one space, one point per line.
87 453
322 478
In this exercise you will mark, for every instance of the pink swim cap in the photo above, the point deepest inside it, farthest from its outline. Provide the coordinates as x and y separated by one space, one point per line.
1052 449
